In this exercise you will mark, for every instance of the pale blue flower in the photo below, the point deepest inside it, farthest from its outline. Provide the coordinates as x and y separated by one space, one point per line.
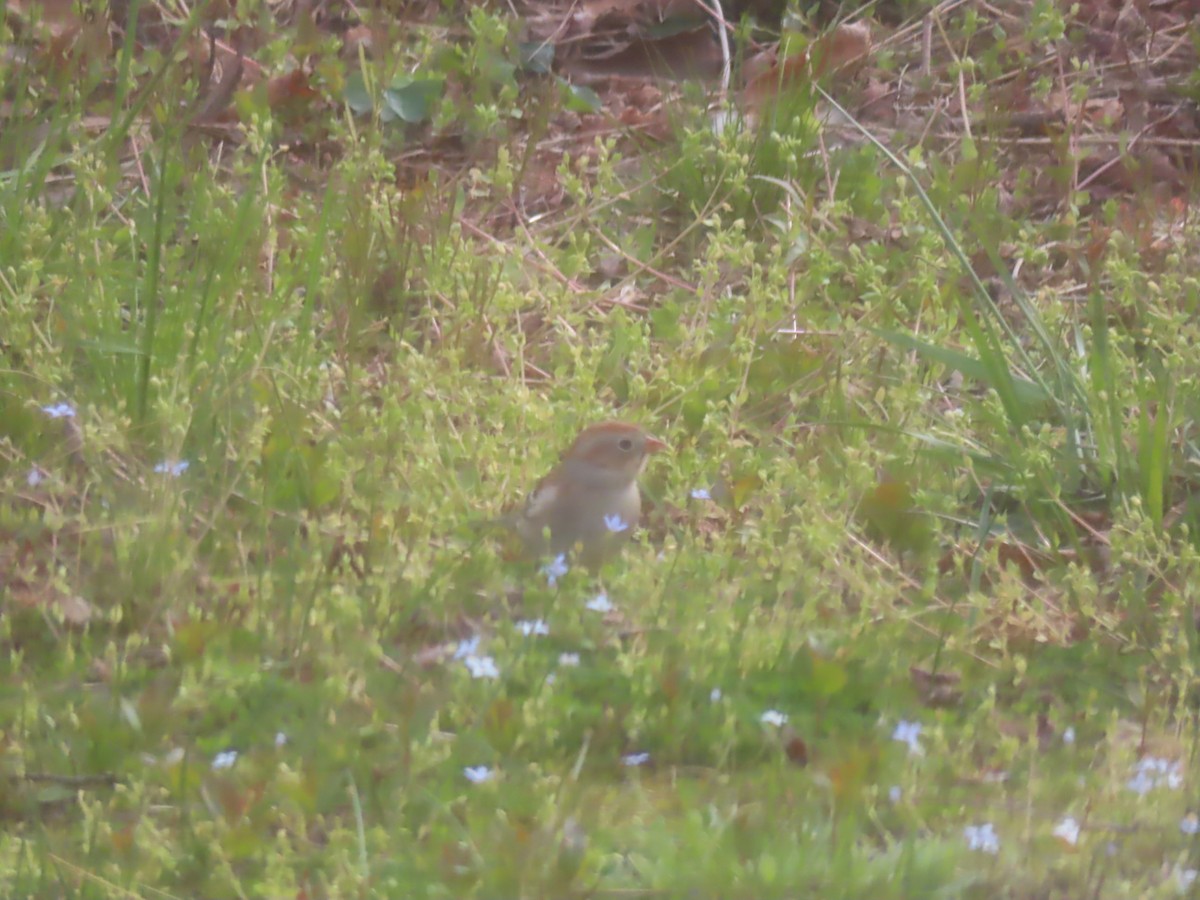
982 838
568 660
224 760
35 477
701 494
714 695
555 569
478 774
59 411
615 524
466 648
172 468
1190 824
909 733
482 667
281 739
773 717
1068 736
600 603
1152 772
1067 830
529 627
894 793
635 759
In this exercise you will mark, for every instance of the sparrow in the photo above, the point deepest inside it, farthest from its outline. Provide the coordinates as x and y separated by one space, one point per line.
589 504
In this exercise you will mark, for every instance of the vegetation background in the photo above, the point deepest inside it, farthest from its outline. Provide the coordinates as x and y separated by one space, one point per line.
293 295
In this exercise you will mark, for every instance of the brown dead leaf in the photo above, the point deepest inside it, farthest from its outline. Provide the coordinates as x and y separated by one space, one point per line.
60 34
794 747
290 90
76 611
848 44
937 689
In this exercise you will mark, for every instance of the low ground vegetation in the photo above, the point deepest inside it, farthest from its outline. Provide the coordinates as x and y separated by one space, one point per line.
292 300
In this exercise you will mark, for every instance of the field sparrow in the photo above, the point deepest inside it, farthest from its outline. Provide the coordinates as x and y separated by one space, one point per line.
590 500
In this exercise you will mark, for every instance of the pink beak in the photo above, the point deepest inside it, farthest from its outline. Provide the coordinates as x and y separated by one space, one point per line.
654 445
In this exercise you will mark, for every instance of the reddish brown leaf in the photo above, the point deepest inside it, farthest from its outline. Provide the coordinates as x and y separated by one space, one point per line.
768 78
291 89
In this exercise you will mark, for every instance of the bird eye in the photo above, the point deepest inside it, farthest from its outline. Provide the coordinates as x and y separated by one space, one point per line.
625 444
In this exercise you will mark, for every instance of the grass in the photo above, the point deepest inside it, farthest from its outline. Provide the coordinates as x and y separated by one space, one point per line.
250 420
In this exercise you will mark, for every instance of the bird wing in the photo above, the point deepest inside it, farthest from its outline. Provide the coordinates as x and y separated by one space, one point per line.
541 501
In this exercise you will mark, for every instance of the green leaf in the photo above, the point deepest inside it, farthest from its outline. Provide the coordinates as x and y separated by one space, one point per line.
411 100
1027 392
580 98
356 96
536 56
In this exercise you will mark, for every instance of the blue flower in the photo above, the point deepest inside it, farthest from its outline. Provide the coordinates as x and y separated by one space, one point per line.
983 838
174 469
529 627
478 774
466 648
909 733
635 759
1067 831
615 524
482 667
600 603
555 569
701 494
60 411
1153 772
224 760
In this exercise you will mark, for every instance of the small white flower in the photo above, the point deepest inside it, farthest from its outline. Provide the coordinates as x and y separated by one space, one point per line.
173 468
982 838
1067 830
773 717
529 627
555 569
701 494
59 411
1186 878
478 774
615 524
600 603
894 793
467 648
1190 824
909 733
1069 734
35 477
568 660
482 667
281 739
714 695
635 759
224 760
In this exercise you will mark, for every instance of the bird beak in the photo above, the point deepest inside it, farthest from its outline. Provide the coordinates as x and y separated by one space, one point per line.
654 445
